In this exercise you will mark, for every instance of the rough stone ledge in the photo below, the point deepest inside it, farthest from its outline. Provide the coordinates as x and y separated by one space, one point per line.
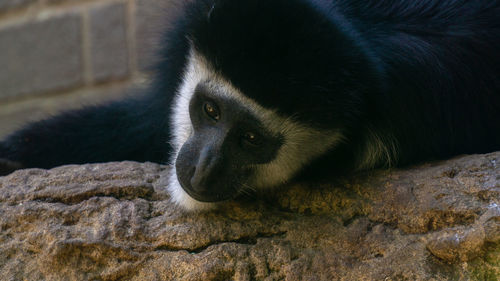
114 221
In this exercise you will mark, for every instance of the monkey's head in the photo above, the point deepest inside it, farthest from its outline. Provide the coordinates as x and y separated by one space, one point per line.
267 88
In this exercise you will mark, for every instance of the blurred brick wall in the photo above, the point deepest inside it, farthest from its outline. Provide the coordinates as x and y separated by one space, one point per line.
60 54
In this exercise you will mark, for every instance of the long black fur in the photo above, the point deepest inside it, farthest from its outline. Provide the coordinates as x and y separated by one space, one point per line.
422 76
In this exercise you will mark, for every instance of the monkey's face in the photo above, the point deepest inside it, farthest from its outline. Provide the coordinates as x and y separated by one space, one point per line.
226 143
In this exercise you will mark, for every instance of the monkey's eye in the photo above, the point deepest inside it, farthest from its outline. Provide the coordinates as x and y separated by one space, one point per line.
252 138
211 110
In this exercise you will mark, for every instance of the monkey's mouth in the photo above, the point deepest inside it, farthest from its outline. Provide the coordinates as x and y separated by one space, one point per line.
209 198
208 194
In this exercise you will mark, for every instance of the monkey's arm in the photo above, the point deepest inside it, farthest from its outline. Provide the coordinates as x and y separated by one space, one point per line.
126 130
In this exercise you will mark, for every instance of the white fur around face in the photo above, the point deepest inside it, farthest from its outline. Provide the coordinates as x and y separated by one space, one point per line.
381 149
301 144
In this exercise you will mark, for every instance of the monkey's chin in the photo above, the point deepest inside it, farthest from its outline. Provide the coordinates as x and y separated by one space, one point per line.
181 198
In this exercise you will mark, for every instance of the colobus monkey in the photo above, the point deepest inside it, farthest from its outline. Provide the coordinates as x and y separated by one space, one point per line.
251 94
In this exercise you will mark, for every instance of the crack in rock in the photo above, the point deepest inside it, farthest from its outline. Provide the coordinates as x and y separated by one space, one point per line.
244 240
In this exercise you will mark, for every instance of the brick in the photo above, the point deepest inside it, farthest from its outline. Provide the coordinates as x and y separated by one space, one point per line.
108 38
41 56
7 5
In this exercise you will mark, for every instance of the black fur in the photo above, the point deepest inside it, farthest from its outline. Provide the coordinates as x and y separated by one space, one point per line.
424 76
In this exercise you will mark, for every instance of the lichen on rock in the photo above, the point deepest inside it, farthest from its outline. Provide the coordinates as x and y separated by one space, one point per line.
114 221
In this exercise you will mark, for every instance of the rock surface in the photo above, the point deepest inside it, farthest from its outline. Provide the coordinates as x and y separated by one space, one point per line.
114 221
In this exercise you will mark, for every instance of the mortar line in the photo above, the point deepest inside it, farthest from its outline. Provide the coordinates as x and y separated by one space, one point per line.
33 11
68 91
